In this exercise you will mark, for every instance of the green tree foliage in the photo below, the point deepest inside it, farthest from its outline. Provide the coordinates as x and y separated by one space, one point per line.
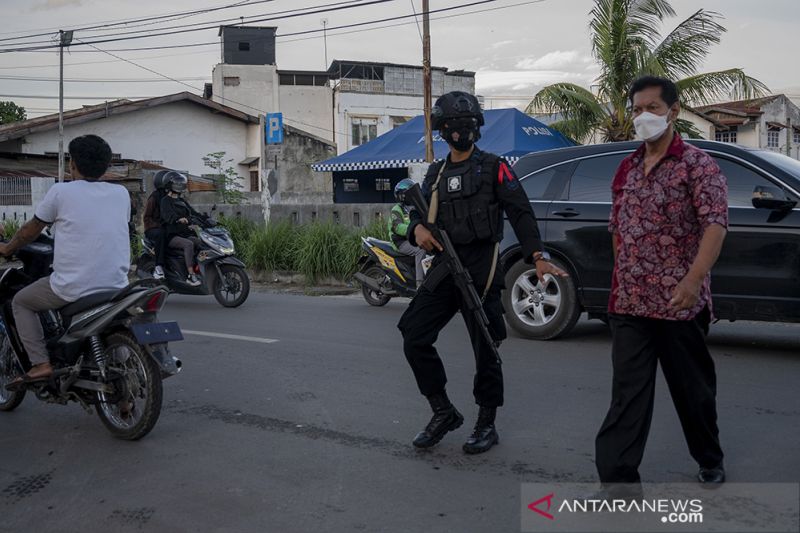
627 43
11 112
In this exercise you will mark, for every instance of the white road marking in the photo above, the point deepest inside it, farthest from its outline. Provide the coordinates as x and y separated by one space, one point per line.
262 340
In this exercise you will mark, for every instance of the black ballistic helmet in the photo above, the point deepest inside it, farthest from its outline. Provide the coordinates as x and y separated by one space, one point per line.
170 180
455 104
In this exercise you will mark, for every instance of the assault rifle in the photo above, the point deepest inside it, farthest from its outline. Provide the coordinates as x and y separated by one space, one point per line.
461 276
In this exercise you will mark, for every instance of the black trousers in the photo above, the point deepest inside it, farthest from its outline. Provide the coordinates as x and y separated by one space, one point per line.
157 236
638 345
428 313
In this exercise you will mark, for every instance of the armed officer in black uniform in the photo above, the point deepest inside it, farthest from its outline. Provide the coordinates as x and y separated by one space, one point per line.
467 194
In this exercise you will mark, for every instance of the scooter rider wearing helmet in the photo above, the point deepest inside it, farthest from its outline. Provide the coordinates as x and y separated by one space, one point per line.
176 216
468 194
398 228
153 229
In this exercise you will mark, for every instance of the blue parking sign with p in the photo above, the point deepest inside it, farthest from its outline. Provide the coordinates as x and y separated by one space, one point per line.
274 127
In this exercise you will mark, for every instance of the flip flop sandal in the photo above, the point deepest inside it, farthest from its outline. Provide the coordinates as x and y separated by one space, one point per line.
23 381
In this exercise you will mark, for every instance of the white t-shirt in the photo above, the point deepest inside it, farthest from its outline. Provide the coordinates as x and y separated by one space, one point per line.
92 245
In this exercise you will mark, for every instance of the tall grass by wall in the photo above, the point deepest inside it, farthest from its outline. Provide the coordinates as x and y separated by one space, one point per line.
319 250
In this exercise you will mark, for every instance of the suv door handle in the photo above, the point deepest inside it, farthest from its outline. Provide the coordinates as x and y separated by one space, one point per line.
567 213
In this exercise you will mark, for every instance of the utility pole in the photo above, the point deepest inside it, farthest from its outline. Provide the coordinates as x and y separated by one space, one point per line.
426 79
65 39
325 40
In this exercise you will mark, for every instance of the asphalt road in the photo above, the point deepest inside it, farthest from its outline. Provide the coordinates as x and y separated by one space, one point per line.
312 432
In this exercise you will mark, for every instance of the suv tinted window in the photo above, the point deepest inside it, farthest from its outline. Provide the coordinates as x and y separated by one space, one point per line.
591 181
536 185
741 182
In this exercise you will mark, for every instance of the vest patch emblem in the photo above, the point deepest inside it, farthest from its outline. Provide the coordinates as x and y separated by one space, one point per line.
454 184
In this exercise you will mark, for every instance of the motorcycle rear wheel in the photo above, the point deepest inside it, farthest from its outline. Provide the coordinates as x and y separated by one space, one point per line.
232 288
9 370
377 299
135 414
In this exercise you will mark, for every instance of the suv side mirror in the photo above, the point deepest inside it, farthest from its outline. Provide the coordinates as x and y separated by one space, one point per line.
772 198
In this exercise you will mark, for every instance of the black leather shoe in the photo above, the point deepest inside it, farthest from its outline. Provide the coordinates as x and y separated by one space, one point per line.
445 418
484 436
711 476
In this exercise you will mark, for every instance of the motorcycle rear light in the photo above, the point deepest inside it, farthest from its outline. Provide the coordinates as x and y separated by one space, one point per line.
197 269
155 302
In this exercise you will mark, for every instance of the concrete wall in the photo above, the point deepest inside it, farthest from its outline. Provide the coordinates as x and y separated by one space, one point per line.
295 181
256 92
309 108
178 134
352 215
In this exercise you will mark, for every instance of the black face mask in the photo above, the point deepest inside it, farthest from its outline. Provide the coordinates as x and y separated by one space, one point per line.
467 130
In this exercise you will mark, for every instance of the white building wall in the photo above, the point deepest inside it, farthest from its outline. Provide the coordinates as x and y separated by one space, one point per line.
749 135
179 134
783 111
377 106
705 127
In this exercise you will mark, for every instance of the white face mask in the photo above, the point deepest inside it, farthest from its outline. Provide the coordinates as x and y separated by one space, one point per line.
649 126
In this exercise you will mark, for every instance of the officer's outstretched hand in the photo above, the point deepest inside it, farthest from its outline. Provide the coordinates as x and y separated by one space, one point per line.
546 267
425 239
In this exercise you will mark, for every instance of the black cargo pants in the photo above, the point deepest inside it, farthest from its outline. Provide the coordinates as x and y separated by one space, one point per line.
428 313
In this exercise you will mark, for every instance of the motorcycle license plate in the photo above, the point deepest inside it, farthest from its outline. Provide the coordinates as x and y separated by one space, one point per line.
157 332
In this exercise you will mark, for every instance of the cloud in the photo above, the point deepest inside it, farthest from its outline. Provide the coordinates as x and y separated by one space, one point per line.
55 4
554 60
516 81
500 44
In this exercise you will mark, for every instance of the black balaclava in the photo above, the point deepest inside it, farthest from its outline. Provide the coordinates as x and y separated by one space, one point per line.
468 133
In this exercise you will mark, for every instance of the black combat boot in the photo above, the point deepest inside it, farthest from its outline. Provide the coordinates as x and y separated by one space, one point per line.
445 418
484 436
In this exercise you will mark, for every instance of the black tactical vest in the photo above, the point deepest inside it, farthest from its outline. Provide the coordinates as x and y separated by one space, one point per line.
468 207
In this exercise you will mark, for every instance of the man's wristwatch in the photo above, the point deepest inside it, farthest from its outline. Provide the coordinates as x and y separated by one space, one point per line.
543 255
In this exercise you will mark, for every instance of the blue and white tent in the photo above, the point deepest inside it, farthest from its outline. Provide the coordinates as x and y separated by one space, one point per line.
507 132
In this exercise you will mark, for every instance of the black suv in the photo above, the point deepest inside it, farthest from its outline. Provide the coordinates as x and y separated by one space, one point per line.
757 276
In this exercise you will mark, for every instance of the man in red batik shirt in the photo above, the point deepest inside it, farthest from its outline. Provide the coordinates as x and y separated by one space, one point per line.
668 222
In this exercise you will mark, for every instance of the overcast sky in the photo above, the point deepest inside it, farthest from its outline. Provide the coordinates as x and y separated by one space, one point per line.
514 50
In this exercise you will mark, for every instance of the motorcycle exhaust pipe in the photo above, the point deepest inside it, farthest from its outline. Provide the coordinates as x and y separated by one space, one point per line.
369 282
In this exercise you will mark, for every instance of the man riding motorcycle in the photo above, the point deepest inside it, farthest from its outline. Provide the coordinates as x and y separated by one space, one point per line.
92 248
398 228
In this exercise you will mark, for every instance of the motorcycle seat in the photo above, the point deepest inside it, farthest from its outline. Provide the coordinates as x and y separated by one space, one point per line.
387 247
87 302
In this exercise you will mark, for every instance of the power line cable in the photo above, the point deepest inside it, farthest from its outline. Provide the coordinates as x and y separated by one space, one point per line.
287 13
204 28
319 30
121 22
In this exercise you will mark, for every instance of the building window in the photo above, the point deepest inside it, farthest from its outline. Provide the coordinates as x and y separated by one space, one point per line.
231 81
364 130
773 138
383 184
15 190
255 182
728 136
350 184
244 46
796 137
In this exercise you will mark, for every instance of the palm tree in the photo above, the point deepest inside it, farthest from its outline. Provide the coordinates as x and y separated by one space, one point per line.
627 43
